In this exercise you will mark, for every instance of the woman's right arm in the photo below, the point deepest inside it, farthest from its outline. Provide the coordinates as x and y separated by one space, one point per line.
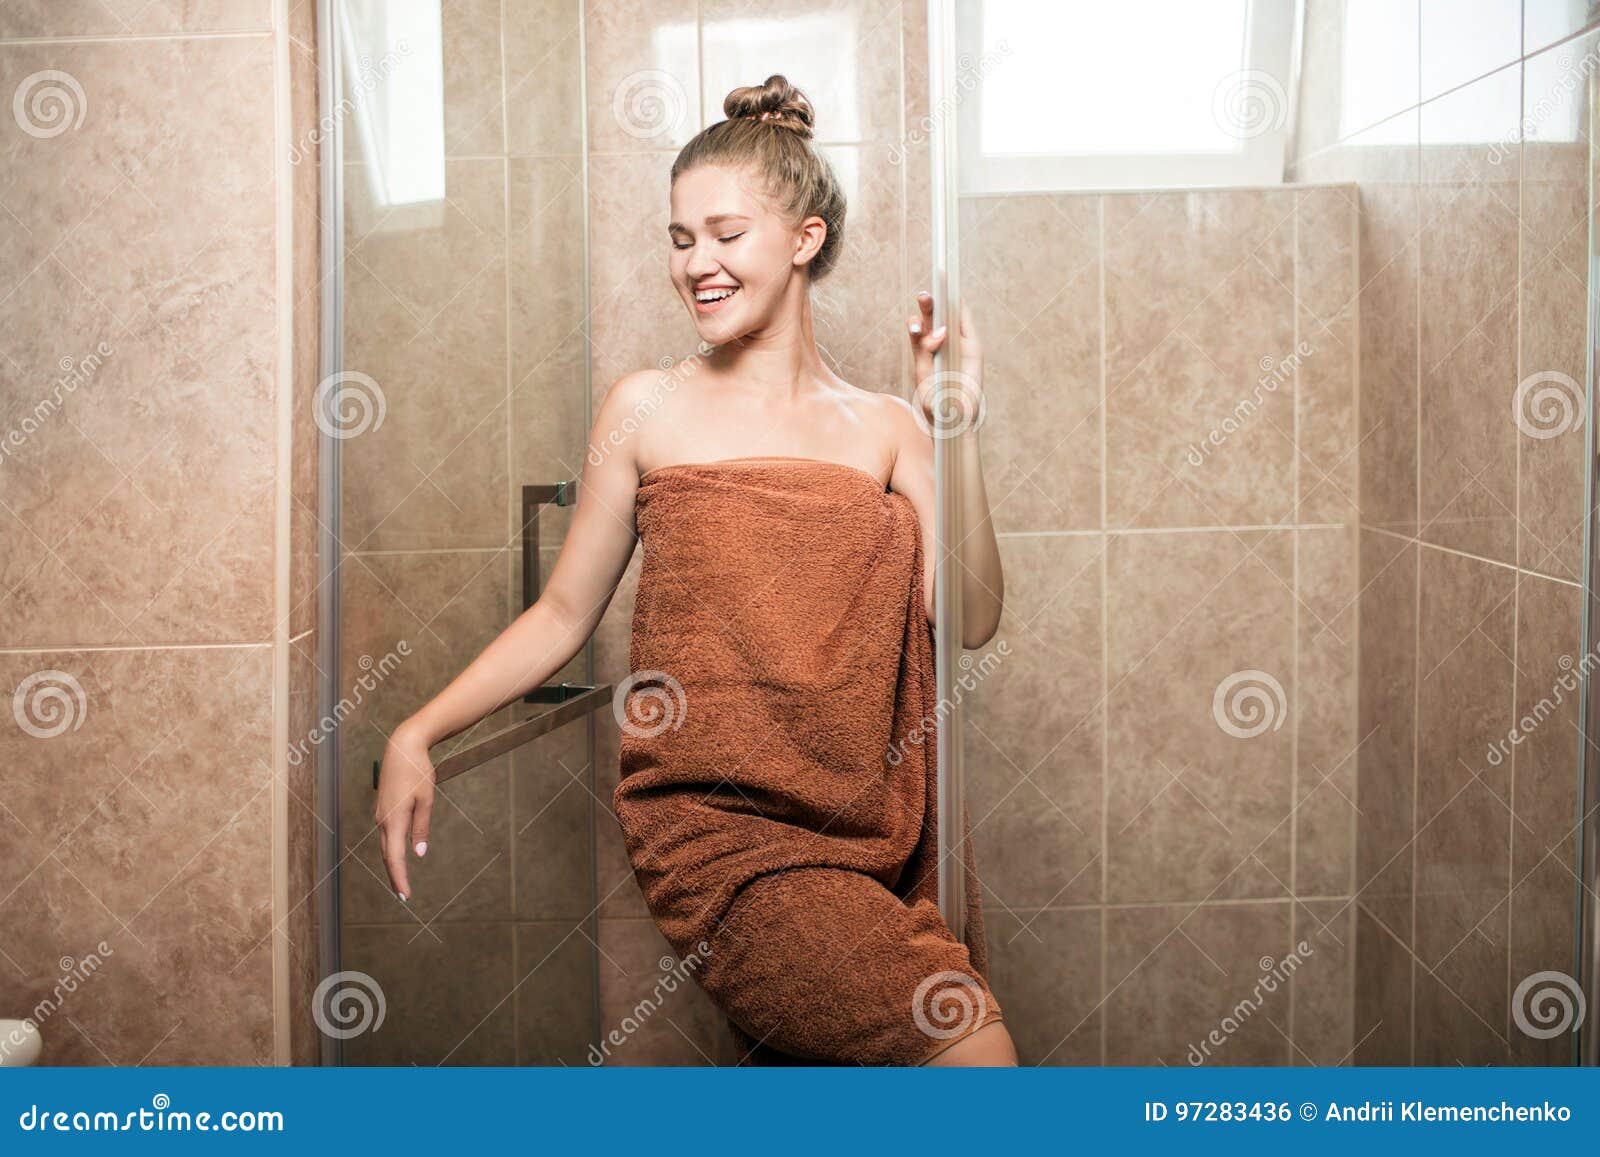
540 642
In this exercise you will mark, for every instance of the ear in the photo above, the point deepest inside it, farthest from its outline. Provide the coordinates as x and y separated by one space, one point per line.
813 232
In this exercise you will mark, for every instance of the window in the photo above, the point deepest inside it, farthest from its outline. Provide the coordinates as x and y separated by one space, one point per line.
1076 94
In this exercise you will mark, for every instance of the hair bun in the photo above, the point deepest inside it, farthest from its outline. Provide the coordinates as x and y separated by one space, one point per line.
776 102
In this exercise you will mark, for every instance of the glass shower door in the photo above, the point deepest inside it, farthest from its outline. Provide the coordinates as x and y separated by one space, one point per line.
458 419
1286 328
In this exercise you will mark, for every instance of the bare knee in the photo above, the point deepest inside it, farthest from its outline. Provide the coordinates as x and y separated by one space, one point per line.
990 1046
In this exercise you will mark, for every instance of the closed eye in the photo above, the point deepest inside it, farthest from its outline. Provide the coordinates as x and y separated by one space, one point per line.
690 244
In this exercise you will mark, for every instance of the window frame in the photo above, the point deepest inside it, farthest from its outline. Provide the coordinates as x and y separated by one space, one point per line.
1271 35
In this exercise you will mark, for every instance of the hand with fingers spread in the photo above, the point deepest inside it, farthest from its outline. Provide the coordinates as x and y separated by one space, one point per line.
404 806
951 401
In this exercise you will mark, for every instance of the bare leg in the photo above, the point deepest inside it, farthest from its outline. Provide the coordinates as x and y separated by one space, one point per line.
989 1046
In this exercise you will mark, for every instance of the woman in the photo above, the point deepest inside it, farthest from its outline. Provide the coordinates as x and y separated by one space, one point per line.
782 826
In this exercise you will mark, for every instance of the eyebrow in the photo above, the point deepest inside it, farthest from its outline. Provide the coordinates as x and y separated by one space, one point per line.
714 219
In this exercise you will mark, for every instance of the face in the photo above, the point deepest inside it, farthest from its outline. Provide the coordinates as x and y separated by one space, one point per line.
737 261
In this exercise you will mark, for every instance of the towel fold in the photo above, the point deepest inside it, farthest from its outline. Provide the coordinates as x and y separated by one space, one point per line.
777 792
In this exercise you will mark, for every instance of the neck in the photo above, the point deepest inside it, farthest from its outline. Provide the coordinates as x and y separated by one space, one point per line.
783 354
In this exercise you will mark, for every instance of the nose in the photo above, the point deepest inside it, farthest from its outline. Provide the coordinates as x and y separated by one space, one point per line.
700 265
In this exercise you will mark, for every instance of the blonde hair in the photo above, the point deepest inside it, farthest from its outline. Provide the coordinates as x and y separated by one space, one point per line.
768 130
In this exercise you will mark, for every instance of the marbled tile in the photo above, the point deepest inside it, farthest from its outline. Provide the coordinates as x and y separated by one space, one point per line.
1198 741
474 116
24 18
1199 319
643 79
1326 289
443 608
556 994
446 1000
1044 968
1323 982
1034 732
299 924
1326 737
860 326
424 466
549 330
1450 1031
686 1029
553 813
1543 753
544 77
1386 721
146 256
1465 643
1464 677
1030 271
1382 994
1552 320
635 315
1178 973
1544 945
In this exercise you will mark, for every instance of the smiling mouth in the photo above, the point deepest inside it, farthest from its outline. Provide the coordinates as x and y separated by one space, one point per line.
711 300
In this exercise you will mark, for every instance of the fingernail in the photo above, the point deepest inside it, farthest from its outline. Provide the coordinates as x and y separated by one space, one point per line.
402 896
915 330
422 847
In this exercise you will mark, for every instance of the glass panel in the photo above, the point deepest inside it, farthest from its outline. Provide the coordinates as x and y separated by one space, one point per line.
1281 762
465 378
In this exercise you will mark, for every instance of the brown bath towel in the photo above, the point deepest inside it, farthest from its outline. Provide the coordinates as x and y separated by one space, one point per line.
778 794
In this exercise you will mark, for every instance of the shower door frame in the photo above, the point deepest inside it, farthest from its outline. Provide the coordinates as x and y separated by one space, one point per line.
1586 1047
944 235
330 361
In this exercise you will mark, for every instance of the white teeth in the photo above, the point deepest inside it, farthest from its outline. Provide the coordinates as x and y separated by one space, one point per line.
710 295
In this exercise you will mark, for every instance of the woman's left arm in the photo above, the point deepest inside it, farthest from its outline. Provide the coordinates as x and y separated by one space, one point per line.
950 405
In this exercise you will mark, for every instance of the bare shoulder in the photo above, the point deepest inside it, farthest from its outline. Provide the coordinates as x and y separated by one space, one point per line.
899 425
639 387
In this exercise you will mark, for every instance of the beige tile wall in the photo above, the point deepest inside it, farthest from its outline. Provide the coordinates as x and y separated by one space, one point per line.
1473 295
1145 867
155 587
